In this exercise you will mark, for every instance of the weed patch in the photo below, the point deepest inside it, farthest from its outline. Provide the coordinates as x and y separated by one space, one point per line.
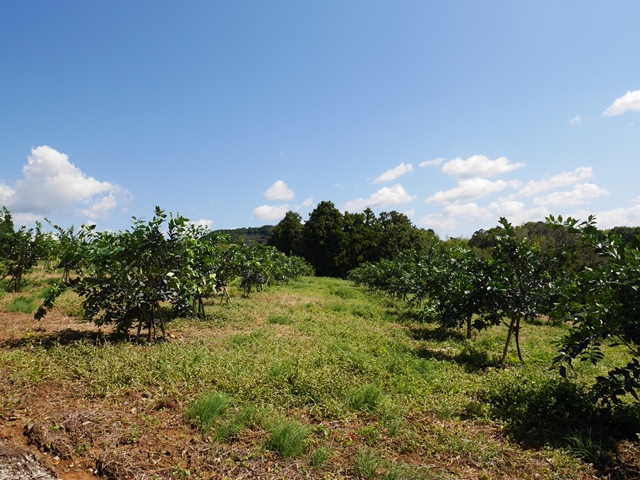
204 411
278 319
367 397
288 438
24 304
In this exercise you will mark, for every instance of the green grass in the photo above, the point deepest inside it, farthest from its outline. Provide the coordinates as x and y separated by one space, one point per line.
24 304
366 397
367 464
205 410
367 382
320 456
278 319
288 438
234 426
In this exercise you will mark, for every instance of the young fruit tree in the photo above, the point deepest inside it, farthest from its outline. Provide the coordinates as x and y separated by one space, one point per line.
130 278
20 249
602 305
520 282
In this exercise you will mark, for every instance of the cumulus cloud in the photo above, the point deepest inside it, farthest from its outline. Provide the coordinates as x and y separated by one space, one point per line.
394 173
517 212
52 184
436 162
453 217
575 121
395 195
470 210
279 191
479 166
101 207
270 212
6 193
471 189
577 196
616 217
439 222
563 179
629 102
306 204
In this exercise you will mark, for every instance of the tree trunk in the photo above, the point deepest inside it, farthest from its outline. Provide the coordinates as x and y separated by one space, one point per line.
517 335
506 345
140 318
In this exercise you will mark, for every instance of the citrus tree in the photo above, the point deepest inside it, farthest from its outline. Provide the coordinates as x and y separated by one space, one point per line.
520 282
130 277
602 304
20 249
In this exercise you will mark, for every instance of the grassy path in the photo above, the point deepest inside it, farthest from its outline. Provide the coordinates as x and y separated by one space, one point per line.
314 379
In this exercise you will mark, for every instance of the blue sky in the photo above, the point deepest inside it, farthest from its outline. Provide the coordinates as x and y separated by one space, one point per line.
233 112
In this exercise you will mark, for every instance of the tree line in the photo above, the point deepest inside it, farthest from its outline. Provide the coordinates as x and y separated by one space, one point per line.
335 243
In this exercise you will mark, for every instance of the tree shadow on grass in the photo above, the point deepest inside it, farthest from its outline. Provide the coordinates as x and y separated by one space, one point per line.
471 356
64 337
472 359
427 333
556 413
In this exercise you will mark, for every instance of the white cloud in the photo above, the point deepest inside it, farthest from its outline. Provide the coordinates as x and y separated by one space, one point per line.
470 210
101 208
629 102
6 193
439 222
51 183
396 195
453 217
306 204
270 212
575 121
436 162
616 217
203 223
394 173
577 196
563 179
470 190
25 218
517 212
479 166
279 191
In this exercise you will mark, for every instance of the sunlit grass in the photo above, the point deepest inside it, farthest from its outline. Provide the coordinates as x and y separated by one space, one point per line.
330 352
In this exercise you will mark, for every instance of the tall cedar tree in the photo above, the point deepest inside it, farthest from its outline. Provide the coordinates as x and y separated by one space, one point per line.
322 239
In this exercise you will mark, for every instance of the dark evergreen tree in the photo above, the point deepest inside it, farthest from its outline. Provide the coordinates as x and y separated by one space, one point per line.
322 239
361 241
286 236
398 234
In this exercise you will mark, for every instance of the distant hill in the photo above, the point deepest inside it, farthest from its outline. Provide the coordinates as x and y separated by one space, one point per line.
248 235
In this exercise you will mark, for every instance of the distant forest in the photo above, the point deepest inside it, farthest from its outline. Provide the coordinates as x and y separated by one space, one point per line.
335 243
247 235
